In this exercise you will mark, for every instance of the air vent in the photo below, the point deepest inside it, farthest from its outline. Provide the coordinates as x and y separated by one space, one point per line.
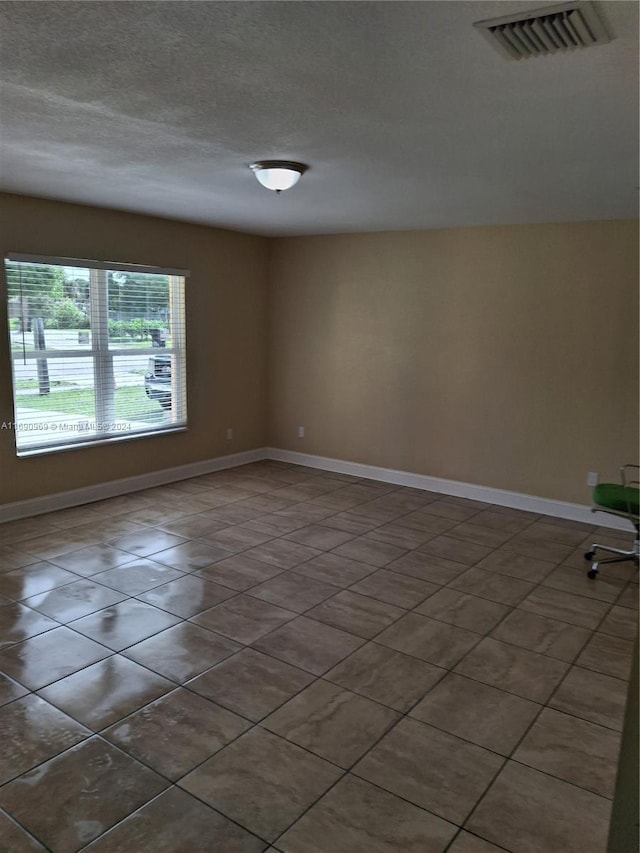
544 31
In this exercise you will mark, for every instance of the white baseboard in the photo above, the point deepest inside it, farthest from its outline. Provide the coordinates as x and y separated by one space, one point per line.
486 494
114 488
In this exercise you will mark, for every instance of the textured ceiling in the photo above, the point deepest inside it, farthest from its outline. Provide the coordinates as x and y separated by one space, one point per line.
406 116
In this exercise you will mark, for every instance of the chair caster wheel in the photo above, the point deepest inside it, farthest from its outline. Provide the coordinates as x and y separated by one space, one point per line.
589 555
592 573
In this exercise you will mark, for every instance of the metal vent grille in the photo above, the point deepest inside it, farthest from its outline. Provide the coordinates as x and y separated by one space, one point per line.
544 31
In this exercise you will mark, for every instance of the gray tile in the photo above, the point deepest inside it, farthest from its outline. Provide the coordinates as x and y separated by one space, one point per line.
629 596
147 542
453 508
479 535
394 588
566 534
293 591
74 600
502 518
506 562
105 692
515 670
309 644
356 816
495 587
191 556
395 533
424 541
31 731
187 595
526 811
251 684
138 576
96 558
124 624
182 652
592 696
539 549
335 570
32 580
177 732
465 611
244 618
274 525
610 655
426 522
176 822
282 554
18 623
436 642
455 549
577 751
53 544
16 531
620 622
355 613
386 676
48 657
193 526
424 765
239 572
10 690
12 559
428 567
467 843
317 536
352 523
73 798
262 782
369 551
603 588
331 722
362 518
541 634
236 538
235 512
16 839
556 604
477 712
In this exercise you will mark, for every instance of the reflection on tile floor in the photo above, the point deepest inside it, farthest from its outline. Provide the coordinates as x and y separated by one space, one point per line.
278 658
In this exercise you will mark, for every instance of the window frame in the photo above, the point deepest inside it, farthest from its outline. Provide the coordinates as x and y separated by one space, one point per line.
102 355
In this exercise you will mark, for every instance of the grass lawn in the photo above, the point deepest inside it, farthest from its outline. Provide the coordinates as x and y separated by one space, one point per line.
131 404
27 384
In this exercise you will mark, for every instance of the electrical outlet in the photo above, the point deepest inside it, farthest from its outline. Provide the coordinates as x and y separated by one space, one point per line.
229 434
592 478
300 432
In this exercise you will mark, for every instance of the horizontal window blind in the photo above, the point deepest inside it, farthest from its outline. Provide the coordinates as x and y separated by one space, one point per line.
97 351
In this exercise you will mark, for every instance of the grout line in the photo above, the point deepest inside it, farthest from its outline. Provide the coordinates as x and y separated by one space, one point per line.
372 639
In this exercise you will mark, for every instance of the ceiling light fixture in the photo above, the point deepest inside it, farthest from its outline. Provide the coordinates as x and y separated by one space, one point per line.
278 175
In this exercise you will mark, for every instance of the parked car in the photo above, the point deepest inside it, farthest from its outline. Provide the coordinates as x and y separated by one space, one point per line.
157 382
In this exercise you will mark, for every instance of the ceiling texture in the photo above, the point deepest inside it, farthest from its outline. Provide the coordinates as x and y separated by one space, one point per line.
405 114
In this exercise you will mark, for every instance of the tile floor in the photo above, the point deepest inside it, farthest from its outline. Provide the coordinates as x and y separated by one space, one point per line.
275 657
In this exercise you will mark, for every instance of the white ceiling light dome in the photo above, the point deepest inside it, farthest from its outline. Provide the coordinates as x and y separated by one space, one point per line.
278 175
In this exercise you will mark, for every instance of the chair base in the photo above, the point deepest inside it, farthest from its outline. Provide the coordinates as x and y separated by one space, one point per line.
622 556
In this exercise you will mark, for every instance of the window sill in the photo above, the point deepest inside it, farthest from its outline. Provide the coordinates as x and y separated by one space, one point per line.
96 442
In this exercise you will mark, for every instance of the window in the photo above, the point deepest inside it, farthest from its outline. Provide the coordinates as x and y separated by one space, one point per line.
97 351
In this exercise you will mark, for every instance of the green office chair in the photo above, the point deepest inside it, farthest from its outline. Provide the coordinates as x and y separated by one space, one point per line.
622 499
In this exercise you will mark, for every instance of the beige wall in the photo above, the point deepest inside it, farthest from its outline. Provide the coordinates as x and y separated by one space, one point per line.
226 338
500 356
505 356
